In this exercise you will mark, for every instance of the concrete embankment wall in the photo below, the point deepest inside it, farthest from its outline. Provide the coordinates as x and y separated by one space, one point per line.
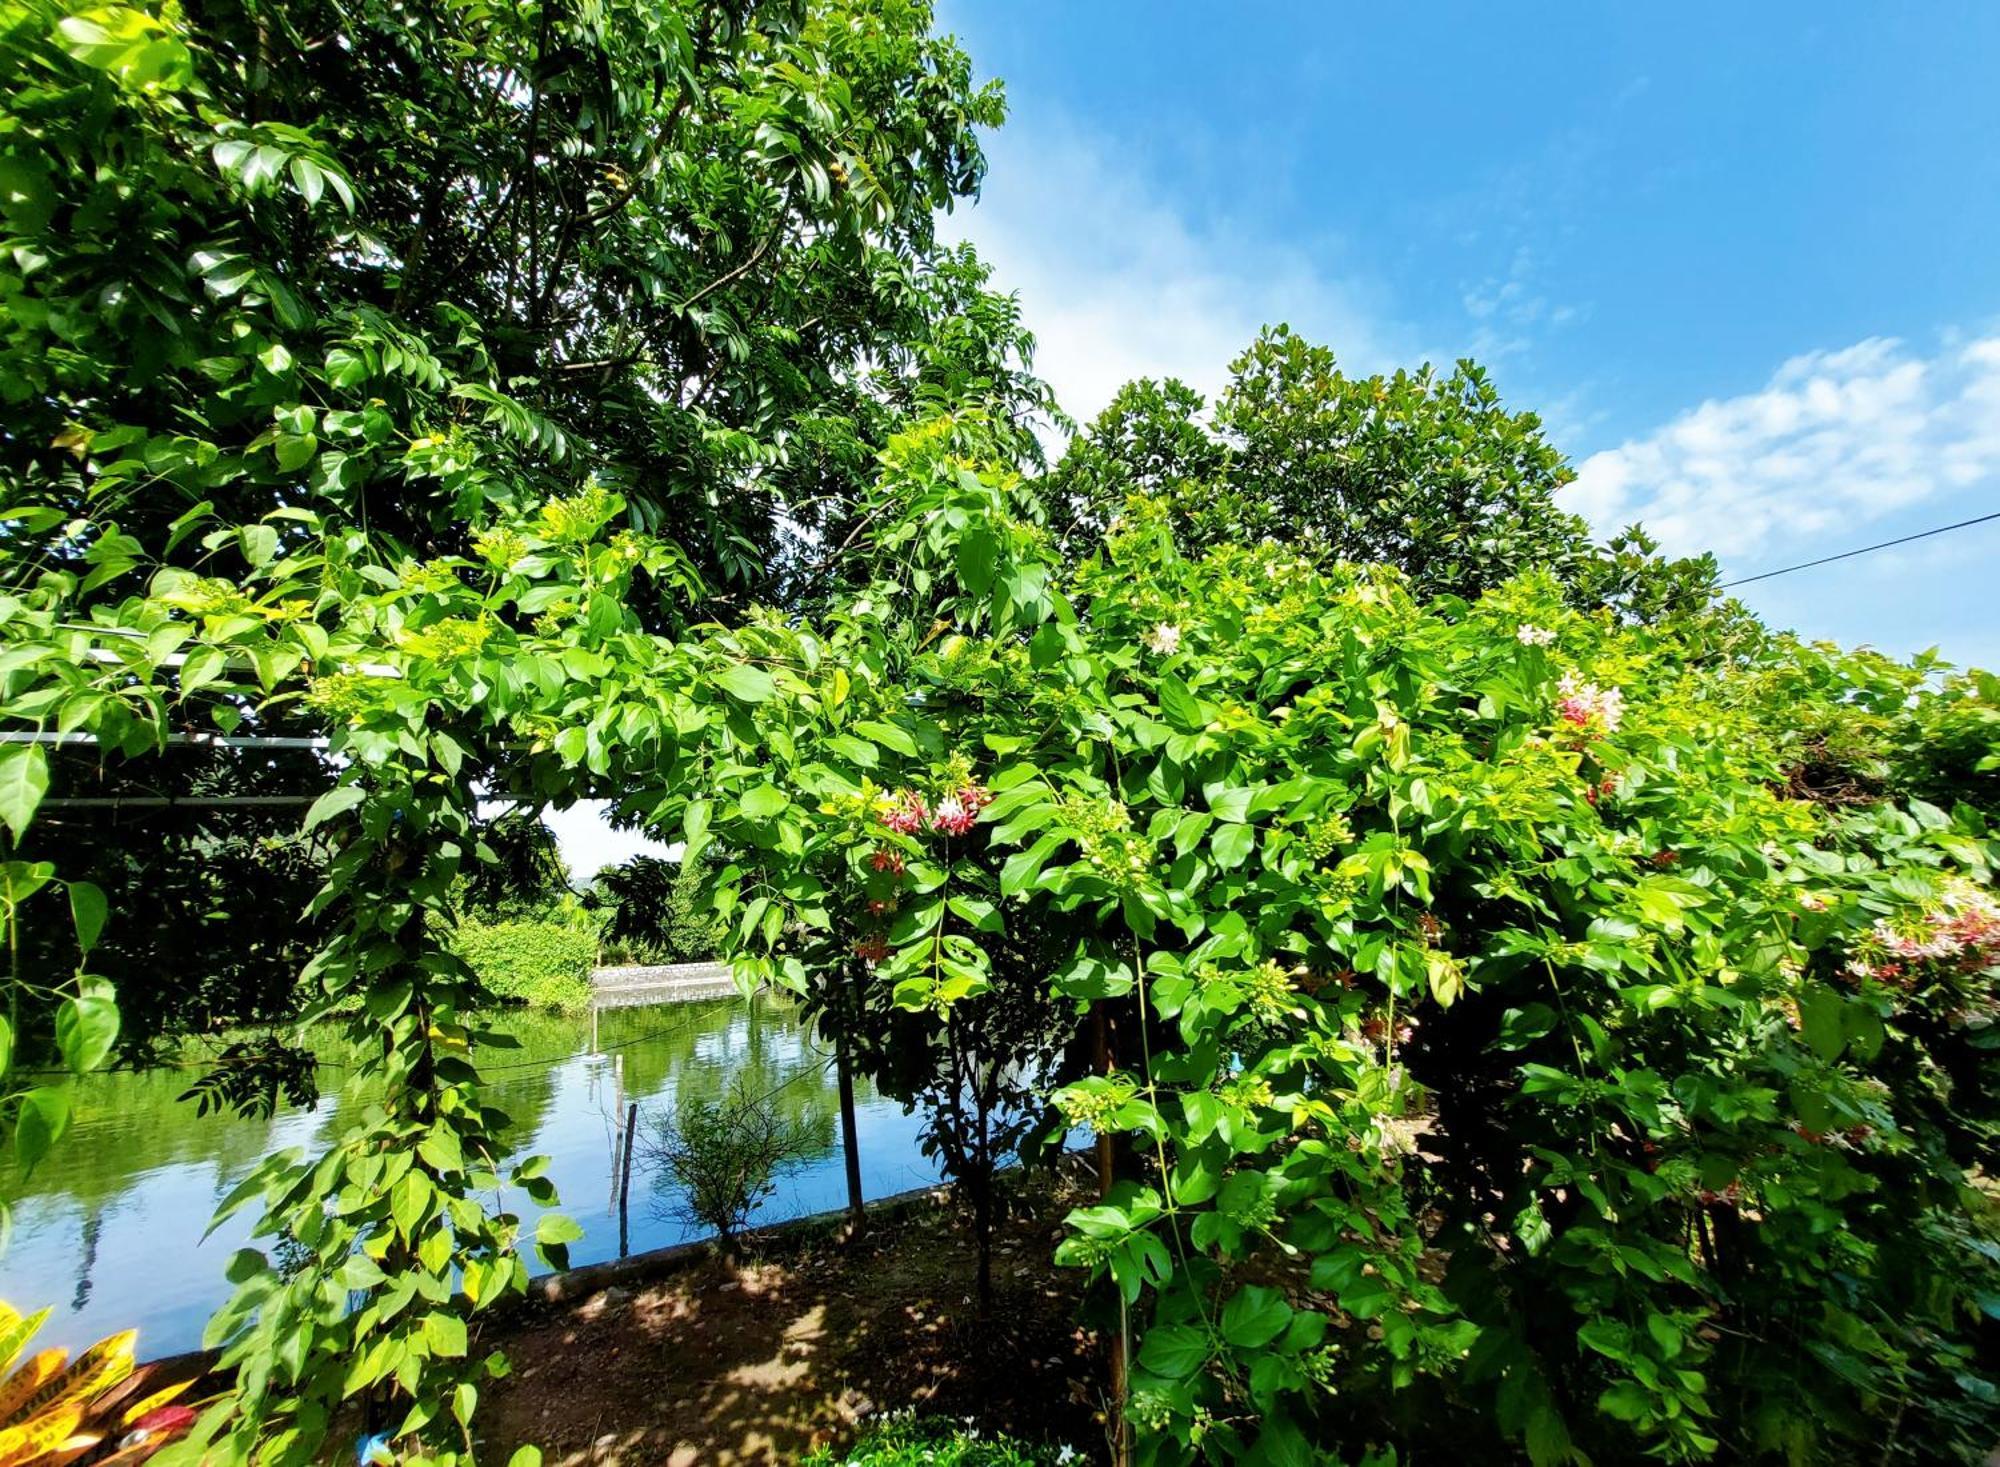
660 983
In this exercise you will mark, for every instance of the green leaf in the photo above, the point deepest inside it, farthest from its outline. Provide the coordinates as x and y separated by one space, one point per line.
554 1229
20 880
1019 870
1232 845
1823 1020
86 1028
24 779
41 1123
1173 1350
409 1201
1181 707
441 1151
87 909
1232 803
294 451
747 684
1255 1317
526 1457
888 735
260 544
360 1272
336 801
1864 1031
445 1334
978 552
855 751
764 802
203 666
1608 1338
980 912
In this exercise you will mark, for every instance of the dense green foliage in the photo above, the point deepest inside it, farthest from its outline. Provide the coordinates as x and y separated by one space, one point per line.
324 334
921 1441
194 884
542 963
1505 1038
1421 470
1543 1013
323 247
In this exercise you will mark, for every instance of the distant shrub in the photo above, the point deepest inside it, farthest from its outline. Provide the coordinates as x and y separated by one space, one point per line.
934 1441
726 1155
539 963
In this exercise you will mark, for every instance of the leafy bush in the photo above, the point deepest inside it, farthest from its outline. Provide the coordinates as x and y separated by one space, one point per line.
544 964
934 1441
1529 1030
726 1156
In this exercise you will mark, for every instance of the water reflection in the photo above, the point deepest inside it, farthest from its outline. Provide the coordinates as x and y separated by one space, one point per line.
109 1230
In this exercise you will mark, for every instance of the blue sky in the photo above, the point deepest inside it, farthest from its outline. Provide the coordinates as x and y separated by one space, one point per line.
1743 259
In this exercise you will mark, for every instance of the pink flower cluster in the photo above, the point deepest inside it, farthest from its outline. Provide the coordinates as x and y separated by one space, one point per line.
1964 926
1959 933
958 812
905 812
1584 704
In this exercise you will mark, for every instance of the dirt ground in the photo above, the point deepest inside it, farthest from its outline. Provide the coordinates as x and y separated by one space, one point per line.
761 1361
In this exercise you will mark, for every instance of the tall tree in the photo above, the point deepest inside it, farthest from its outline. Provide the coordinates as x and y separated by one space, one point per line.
686 247
1425 470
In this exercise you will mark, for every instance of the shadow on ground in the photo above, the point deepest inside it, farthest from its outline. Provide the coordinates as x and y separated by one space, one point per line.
761 1361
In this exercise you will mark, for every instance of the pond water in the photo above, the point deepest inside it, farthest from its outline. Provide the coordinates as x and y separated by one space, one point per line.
109 1229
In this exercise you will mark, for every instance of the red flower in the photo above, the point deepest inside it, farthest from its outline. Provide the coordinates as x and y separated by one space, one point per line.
905 812
887 859
957 813
871 949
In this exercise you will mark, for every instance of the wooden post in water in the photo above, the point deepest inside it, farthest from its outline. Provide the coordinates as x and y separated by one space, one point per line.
625 1180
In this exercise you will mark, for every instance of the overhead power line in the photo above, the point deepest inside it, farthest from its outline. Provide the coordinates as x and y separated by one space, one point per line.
1865 549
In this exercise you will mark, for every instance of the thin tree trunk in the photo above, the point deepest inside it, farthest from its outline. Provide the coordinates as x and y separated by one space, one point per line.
849 1139
1121 1438
982 1220
982 1190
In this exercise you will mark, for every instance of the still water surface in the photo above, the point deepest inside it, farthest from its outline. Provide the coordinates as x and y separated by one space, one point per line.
109 1229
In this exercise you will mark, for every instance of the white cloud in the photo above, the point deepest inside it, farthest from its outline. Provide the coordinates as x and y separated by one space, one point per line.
1117 282
1835 440
1508 313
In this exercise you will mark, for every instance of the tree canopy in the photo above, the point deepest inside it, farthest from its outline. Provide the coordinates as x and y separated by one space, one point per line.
401 267
1544 1006
1422 470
